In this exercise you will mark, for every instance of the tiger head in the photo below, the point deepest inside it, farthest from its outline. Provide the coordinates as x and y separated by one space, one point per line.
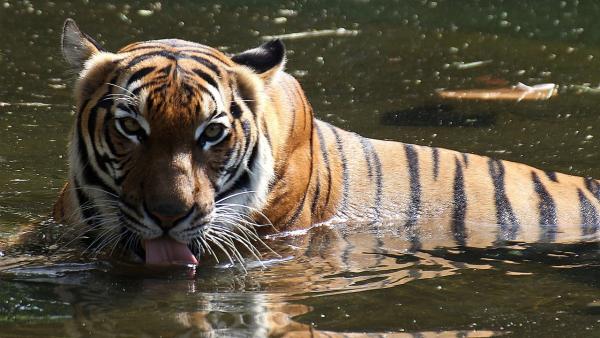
168 156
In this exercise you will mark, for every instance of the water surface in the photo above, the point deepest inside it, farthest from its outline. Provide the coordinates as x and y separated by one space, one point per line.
381 83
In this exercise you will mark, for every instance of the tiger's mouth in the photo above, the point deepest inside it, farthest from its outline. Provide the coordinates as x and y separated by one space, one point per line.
167 251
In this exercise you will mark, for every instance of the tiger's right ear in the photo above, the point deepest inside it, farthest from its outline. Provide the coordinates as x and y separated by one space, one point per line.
77 47
265 60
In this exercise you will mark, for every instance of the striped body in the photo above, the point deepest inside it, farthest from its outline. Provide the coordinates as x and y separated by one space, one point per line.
181 148
438 197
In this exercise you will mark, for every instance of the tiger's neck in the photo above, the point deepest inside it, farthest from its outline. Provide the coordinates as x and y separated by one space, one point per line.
305 188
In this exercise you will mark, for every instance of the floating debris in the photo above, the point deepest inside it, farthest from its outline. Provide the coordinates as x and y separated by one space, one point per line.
288 12
585 89
124 18
57 85
280 20
25 104
517 93
145 12
312 34
468 65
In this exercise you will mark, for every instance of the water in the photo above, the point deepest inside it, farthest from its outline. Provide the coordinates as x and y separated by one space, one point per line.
381 83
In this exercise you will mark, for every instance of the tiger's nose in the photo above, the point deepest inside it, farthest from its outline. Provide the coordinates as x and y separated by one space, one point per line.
168 214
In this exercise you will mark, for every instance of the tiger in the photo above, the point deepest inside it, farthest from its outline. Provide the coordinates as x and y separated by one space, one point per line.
180 151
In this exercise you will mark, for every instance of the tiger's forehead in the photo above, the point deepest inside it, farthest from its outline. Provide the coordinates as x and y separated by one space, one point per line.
182 47
175 79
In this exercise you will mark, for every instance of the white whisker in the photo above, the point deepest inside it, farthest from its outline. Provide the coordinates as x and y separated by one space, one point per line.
233 195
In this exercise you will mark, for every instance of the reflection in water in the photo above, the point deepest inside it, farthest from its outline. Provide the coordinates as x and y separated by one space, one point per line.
284 295
437 115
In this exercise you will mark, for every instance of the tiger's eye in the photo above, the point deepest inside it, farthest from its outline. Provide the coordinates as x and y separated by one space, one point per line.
130 125
213 132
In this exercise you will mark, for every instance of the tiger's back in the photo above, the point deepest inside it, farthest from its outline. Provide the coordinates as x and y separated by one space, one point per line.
438 196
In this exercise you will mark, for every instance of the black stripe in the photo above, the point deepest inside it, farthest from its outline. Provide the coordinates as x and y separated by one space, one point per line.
235 167
592 186
235 110
415 197
300 208
379 248
128 108
435 154
102 161
226 158
139 74
465 157
155 81
177 56
215 115
237 159
90 213
120 180
133 220
89 175
589 215
143 57
316 196
246 129
300 94
155 92
317 192
374 164
265 130
551 175
298 211
206 77
243 181
460 206
88 210
156 46
505 217
378 183
348 248
547 211
325 157
345 173
366 147
252 158
105 130
165 71
206 63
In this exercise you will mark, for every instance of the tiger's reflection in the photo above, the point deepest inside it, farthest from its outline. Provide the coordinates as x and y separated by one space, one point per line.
268 300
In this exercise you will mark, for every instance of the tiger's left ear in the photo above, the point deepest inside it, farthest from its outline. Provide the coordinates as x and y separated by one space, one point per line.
266 60
77 47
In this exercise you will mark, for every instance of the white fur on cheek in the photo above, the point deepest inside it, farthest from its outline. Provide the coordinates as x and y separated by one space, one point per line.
261 175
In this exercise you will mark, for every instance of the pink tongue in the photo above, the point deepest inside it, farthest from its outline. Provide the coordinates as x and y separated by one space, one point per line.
167 251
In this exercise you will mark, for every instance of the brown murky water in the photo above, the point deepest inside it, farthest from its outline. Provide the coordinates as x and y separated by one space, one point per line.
381 82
